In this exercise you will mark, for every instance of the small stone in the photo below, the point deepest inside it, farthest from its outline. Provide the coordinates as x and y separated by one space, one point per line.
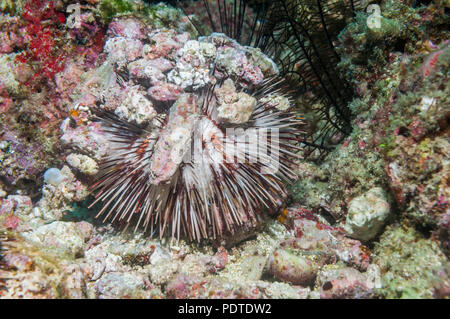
267 65
192 68
339 283
367 214
145 69
18 261
174 141
162 271
233 61
22 204
56 199
252 267
234 107
123 50
165 92
164 43
120 285
295 267
160 254
64 237
136 107
315 235
21 159
83 163
89 139
37 212
86 229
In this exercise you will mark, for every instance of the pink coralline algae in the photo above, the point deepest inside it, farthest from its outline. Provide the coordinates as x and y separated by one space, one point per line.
122 50
165 64
150 70
165 92
218 261
429 65
92 35
193 287
164 43
19 262
67 80
127 28
241 67
183 287
182 119
348 250
247 66
142 56
5 101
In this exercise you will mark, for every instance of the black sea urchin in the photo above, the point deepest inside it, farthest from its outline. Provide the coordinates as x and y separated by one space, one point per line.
299 36
213 160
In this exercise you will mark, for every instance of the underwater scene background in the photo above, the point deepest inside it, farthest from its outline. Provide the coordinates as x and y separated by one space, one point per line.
224 149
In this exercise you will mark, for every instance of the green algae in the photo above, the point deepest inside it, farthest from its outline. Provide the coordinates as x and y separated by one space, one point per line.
110 8
157 15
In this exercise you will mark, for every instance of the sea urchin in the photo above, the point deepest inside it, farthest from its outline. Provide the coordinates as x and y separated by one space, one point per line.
212 160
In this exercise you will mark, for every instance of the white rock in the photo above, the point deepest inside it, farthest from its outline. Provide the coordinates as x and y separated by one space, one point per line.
56 199
88 139
37 212
116 285
83 163
367 214
53 176
426 103
136 107
160 254
192 68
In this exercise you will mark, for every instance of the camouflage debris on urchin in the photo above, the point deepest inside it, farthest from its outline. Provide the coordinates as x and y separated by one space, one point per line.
198 89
